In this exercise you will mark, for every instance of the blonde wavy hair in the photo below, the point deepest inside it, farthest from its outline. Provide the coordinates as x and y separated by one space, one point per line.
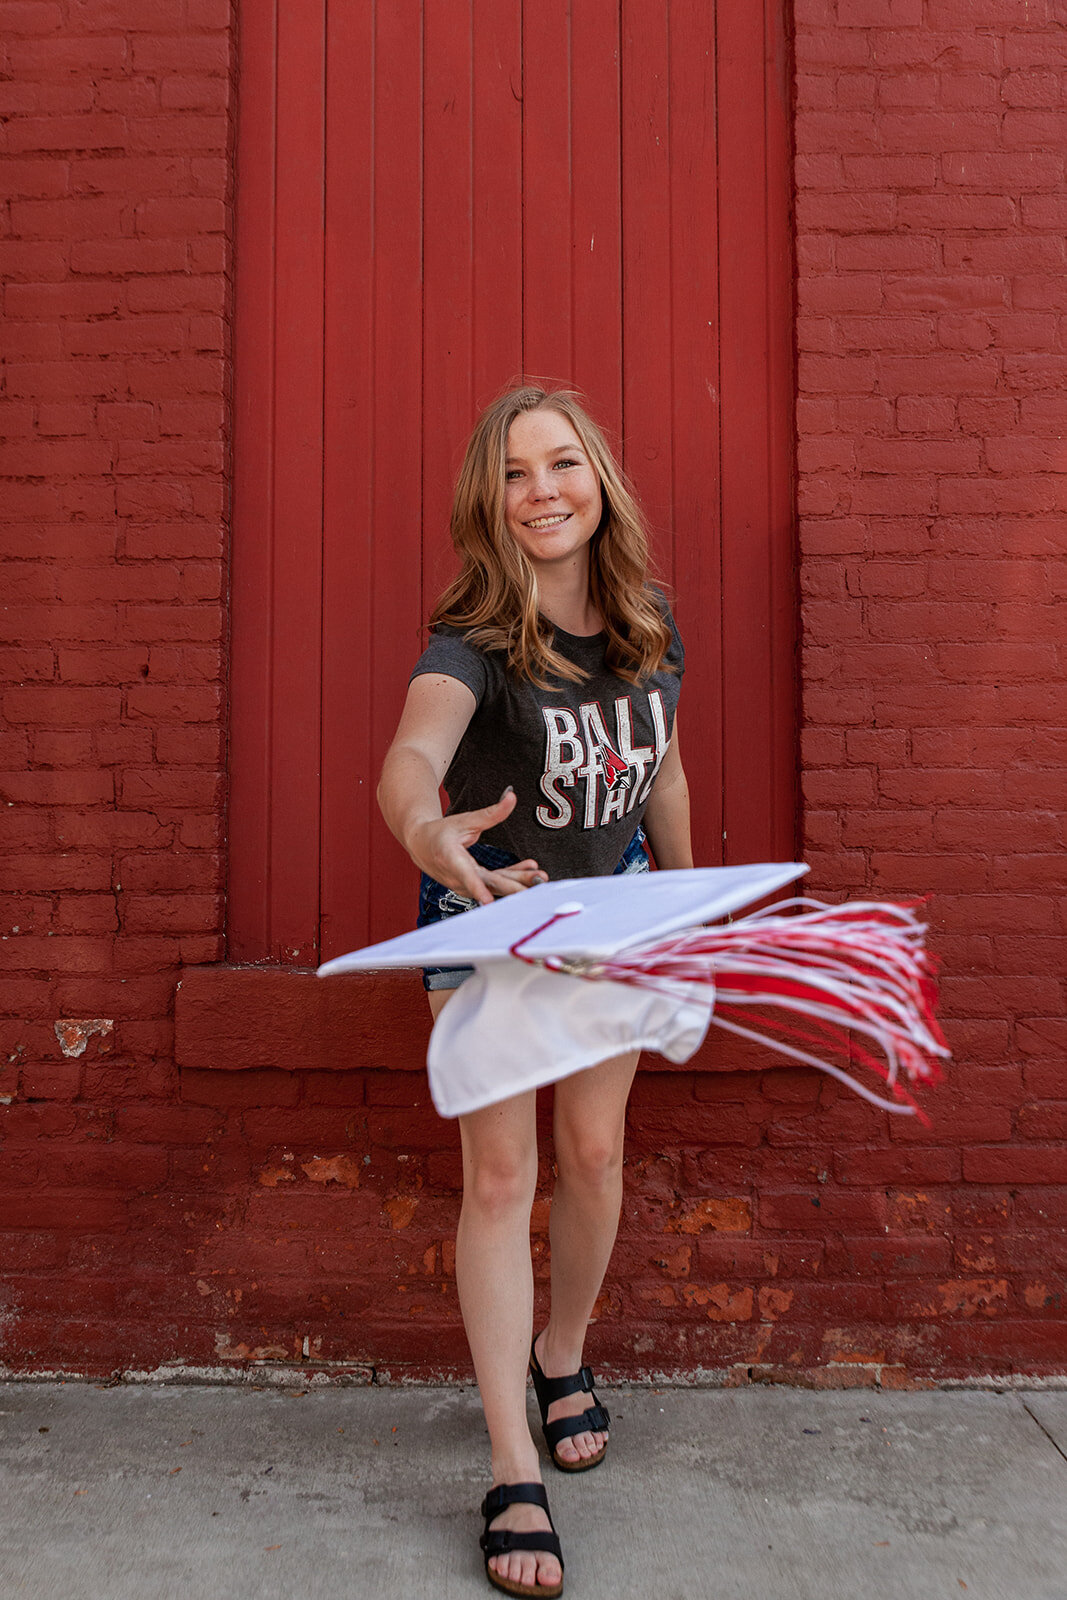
493 599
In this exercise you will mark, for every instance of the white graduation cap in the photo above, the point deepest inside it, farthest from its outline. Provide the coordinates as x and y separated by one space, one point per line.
570 973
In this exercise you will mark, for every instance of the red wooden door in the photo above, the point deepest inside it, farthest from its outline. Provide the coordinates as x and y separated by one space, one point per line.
434 198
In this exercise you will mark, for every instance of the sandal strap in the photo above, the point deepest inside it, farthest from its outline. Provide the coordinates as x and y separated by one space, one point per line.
593 1420
551 1389
503 1495
498 1542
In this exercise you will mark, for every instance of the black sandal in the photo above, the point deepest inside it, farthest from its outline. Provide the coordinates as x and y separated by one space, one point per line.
594 1419
498 1541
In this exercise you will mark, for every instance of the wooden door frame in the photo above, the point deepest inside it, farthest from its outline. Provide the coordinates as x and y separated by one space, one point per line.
277 589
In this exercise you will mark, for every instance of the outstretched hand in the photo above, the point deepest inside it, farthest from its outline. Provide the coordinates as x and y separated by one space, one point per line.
441 848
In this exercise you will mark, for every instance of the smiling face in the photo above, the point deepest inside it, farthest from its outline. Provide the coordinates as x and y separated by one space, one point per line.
552 500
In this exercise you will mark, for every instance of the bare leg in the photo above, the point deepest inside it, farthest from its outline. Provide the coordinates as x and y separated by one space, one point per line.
494 1276
590 1119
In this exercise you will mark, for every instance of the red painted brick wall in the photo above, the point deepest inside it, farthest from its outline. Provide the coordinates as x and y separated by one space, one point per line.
773 1225
116 259
933 352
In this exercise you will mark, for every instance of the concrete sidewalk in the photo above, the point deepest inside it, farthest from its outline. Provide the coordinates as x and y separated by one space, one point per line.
228 1493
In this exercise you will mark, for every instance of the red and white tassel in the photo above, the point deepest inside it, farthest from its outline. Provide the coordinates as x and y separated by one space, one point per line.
860 968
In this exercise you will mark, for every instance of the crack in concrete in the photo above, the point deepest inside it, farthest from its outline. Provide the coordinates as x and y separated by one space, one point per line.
1052 1441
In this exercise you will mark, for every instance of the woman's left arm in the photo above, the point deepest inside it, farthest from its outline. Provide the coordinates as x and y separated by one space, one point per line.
667 813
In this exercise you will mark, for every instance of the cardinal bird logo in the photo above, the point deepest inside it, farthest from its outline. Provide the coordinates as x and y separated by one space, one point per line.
617 774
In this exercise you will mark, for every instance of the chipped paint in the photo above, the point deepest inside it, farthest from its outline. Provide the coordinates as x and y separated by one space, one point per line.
247 1352
344 1170
74 1033
401 1209
271 1177
774 1303
722 1216
677 1263
720 1303
974 1295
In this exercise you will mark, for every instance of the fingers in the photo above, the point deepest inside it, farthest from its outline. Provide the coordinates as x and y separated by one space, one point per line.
511 880
471 881
441 847
495 813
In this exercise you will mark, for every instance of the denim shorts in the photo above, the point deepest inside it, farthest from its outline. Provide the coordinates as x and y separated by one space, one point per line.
436 902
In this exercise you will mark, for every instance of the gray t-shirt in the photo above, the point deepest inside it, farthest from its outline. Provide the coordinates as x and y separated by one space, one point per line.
582 758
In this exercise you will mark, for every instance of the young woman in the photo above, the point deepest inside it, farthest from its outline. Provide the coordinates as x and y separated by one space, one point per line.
552 674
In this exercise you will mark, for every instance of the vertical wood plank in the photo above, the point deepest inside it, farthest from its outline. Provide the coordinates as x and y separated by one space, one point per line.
596 228
756 639
448 249
295 705
646 261
497 198
395 573
783 822
548 336
348 611
252 554
695 410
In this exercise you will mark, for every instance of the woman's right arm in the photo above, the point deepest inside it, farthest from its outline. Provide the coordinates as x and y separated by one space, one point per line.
436 715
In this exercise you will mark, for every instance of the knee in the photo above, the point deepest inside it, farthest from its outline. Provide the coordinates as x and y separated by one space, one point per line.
590 1162
501 1182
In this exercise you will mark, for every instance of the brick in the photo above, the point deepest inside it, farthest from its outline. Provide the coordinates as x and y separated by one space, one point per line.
1025 128
203 746
125 256
56 872
170 872
983 13
130 336
939 374
171 913
1020 1164
60 707
1034 48
71 1211
883 333
820 1212
829 46
57 788
169 786
1037 293
28 18
165 703
944 293
158 624
879 13
55 57
891 172
897 1166
949 129
24 830
32 301
909 89
887 253
185 52
93 131
1014 172
1044 1120
913 455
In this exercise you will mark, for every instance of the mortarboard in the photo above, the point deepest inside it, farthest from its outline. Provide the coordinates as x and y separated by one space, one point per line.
570 973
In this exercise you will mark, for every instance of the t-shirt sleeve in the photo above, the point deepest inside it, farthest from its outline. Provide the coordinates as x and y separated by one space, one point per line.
450 655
